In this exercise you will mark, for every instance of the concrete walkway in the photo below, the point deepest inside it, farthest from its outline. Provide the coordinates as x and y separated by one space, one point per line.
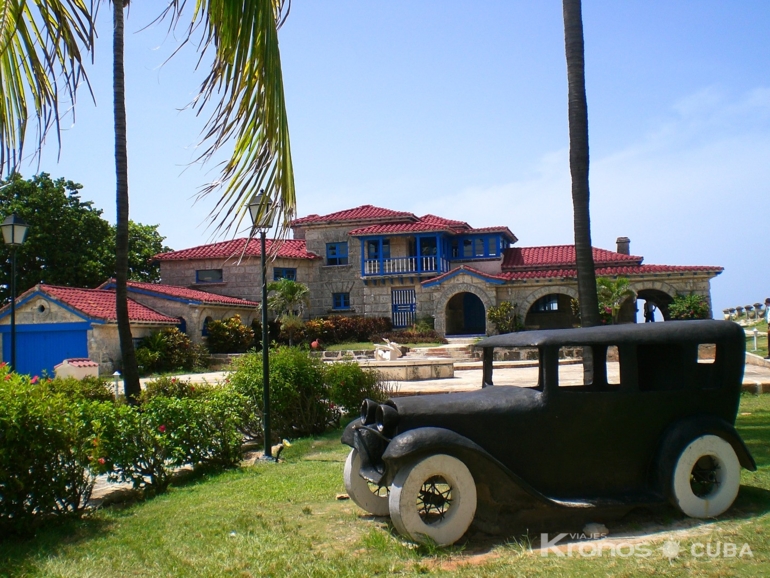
756 378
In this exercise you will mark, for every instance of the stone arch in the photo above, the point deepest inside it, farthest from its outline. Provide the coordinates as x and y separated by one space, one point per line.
455 289
551 319
524 306
657 292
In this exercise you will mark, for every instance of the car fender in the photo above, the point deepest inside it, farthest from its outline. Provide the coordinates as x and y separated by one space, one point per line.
676 438
495 480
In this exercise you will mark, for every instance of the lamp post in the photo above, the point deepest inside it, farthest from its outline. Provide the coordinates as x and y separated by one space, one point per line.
14 233
261 223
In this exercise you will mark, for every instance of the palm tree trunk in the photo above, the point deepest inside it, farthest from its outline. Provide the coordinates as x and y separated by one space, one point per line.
130 370
578 161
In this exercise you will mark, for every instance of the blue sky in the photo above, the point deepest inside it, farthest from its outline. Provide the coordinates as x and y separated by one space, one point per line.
459 108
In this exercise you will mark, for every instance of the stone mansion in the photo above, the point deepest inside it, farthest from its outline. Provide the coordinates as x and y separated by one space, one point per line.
379 262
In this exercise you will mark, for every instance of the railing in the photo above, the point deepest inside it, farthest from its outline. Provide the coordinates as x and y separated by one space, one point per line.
401 265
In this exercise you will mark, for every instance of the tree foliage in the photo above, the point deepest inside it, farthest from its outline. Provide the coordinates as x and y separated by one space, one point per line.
506 317
690 306
68 242
612 295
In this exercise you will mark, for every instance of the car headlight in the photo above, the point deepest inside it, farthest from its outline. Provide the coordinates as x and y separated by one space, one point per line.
387 419
369 411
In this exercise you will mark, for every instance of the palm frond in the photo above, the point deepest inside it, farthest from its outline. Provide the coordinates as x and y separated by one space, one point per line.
42 43
245 88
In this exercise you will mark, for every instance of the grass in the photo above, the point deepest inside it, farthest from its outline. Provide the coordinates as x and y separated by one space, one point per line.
761 339
284 520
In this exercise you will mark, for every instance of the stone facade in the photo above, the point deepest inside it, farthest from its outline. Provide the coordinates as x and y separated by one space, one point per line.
476 269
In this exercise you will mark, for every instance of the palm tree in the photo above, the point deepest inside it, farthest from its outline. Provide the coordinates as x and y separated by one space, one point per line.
127 352
578 161
42 43
612 294
288 300
245 88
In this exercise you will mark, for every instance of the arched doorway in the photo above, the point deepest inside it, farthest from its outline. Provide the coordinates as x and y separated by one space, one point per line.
465 315
659 299
552 311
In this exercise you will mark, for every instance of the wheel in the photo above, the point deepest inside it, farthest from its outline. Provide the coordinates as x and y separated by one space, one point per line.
706 477
433 499
366 495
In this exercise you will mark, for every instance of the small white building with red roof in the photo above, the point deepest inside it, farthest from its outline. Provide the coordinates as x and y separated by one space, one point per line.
56 323
380 262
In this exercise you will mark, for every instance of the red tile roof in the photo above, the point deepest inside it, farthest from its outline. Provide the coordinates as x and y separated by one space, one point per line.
100 304
79 362
458 225
397 228
504 230
557 256
362 213
287 249
192 295
610 271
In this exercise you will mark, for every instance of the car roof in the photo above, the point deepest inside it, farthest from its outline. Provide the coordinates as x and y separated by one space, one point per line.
696 331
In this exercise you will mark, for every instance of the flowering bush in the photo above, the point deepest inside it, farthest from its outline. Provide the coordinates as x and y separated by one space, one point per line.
689 307
45 451
229 336
175 424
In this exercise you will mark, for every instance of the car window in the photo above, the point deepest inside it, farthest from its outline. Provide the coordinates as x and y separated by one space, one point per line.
663 366
604 368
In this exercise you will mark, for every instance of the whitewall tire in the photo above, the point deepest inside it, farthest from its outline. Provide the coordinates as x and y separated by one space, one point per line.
706 477
433 500
365 494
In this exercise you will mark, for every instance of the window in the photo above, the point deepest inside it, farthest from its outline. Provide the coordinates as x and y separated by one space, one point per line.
205 328
336 253
375 248
478 247
340 300
547 303
208 276
284 273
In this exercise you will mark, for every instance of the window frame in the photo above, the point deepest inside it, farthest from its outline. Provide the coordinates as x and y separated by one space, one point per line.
337 253
341 301
278 273
199 280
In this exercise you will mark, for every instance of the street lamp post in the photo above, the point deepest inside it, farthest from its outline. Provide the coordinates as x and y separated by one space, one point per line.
262 223
14 232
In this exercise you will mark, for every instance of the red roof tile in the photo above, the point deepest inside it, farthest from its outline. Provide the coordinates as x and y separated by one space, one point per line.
396 228
79 362
531 258
362 213
192 294
100 304
182 293
504 230
287 249
610 271
457 225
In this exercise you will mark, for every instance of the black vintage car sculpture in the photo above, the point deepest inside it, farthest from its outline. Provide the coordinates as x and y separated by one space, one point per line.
507 456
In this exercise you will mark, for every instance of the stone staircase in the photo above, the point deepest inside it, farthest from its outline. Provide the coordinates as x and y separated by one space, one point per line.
458 349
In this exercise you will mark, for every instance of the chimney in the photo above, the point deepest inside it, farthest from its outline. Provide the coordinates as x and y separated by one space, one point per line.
624 245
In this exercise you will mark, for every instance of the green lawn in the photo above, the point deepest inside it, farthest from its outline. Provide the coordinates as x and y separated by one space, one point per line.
761 340
284 520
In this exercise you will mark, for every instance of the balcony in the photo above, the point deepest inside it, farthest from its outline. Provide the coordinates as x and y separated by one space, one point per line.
405 266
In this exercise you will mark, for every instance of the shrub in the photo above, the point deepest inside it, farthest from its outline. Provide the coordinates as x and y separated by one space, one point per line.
689 307
88 388
299 400
410 336
169 350
506 317
45 450
349 385
176 423
342 329
229 336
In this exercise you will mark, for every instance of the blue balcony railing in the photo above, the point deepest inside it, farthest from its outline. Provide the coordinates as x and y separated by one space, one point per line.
405 265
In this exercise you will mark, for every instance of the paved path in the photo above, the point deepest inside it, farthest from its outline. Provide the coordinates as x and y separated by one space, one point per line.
468 377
